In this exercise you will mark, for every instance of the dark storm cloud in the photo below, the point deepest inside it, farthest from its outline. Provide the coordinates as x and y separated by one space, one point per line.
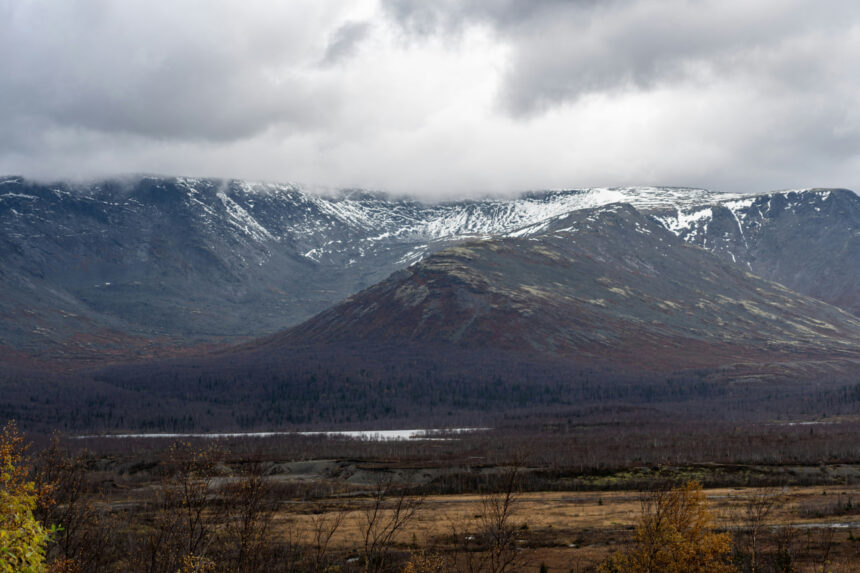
451 16
150 71
439 98
563 50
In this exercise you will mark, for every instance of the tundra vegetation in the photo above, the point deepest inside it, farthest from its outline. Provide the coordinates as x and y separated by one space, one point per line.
529 497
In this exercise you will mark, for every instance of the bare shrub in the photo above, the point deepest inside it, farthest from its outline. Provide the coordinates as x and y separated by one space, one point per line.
183 516
84 523
323 527
493 547
249 511
753 519
385 516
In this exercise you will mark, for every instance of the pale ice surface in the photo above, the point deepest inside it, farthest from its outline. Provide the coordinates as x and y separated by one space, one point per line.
369 435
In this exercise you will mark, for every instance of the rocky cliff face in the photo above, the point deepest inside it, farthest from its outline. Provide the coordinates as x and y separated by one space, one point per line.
809 241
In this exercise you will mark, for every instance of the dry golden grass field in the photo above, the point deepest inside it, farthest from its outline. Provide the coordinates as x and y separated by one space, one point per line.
574 531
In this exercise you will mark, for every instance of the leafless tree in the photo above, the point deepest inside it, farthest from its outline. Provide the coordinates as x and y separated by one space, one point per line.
323 527
250 511
493 547
753 519
786 539
184 515
498 527
83 518
387 514
825 541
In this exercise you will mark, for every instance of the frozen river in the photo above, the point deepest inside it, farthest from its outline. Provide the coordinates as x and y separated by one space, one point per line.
370 435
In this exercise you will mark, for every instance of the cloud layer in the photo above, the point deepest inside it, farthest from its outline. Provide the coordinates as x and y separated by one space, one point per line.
442 99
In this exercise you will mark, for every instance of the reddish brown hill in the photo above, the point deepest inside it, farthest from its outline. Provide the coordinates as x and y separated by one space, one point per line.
604 287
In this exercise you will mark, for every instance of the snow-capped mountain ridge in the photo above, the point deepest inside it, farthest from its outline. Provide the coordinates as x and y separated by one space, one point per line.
345 228
687 216
199 258
373 219
806 239
355 224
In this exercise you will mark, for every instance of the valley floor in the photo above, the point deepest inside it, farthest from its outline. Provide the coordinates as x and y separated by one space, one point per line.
575 531
331 503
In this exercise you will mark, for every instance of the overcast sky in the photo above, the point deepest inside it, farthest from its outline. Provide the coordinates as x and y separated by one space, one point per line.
439 98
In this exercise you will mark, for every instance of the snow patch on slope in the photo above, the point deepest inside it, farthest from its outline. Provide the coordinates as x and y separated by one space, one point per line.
368 223
243 221
689 222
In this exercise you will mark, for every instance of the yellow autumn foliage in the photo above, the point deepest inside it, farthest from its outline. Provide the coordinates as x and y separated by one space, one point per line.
22 537
675 535
422 562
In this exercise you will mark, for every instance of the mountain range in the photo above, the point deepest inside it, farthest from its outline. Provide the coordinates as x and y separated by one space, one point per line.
189 295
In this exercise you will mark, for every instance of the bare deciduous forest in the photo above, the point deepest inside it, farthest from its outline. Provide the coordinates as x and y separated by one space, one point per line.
538 494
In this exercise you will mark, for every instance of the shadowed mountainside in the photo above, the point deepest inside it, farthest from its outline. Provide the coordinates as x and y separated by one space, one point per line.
607 285
146 266
602 307
545 301
135 267
809 241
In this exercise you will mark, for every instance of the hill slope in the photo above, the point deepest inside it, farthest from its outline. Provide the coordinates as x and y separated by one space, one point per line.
151 263
146 266
600 307
607 285
808 241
